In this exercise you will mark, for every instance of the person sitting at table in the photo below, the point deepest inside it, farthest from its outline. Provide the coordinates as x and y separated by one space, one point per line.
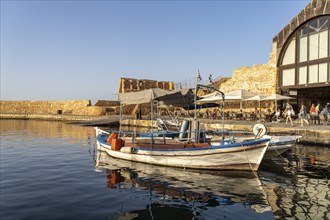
267 113
277 115
256 110
239 114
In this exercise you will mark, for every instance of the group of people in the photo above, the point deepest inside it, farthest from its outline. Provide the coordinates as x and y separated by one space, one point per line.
314 114
268 114
288 113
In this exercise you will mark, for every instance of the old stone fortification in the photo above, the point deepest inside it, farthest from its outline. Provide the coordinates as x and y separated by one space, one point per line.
134 85
84 107
76 107
260 78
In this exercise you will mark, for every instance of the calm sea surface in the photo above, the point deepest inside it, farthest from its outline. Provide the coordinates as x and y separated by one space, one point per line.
51 170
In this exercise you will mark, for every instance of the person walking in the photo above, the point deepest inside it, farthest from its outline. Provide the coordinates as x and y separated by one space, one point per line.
325 112
303 115
317 112
289 112
312 111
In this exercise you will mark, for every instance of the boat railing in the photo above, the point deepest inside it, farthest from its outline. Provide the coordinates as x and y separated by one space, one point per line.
162 137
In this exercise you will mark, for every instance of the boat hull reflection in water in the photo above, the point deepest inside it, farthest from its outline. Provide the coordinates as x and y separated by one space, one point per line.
183 193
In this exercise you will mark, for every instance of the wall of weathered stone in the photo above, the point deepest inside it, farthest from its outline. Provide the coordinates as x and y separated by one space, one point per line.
259 78
76 107
134 85
107 103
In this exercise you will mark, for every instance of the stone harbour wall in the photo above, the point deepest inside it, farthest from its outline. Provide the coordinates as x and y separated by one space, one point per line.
76 107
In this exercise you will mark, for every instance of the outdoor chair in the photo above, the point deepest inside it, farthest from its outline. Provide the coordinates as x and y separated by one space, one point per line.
238 115
261 117
253 116
232 115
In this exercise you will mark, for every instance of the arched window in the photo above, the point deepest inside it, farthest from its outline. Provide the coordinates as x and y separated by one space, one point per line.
305 60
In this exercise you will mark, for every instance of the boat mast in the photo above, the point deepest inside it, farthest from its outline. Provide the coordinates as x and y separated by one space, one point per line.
120 116
222 108
198 79
152 121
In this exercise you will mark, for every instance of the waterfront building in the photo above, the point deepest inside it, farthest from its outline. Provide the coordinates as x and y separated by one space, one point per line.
299 62
303 61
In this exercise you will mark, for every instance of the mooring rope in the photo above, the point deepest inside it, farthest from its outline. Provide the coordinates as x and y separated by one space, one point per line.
249 161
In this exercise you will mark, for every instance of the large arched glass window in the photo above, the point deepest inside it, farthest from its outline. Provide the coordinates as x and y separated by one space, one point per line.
305 59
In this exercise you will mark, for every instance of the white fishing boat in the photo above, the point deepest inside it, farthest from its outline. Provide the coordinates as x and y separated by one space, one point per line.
193 152
236 156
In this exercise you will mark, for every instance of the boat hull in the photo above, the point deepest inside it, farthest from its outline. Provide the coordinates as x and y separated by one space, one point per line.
277 145
280 144
238 156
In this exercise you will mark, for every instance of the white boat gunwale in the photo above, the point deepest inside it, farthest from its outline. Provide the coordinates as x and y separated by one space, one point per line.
211 147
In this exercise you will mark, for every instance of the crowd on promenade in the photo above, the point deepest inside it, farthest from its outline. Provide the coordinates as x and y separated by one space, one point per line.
315 114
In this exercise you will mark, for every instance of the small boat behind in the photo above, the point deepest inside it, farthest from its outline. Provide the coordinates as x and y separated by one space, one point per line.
278 143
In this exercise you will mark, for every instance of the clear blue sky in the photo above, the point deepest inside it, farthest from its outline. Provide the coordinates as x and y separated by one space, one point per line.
69 50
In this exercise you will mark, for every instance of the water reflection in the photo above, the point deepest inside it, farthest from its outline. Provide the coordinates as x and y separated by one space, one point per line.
187 193
298 184
25 129
47 155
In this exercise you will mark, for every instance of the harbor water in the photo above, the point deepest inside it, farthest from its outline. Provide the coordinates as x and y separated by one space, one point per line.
51 170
